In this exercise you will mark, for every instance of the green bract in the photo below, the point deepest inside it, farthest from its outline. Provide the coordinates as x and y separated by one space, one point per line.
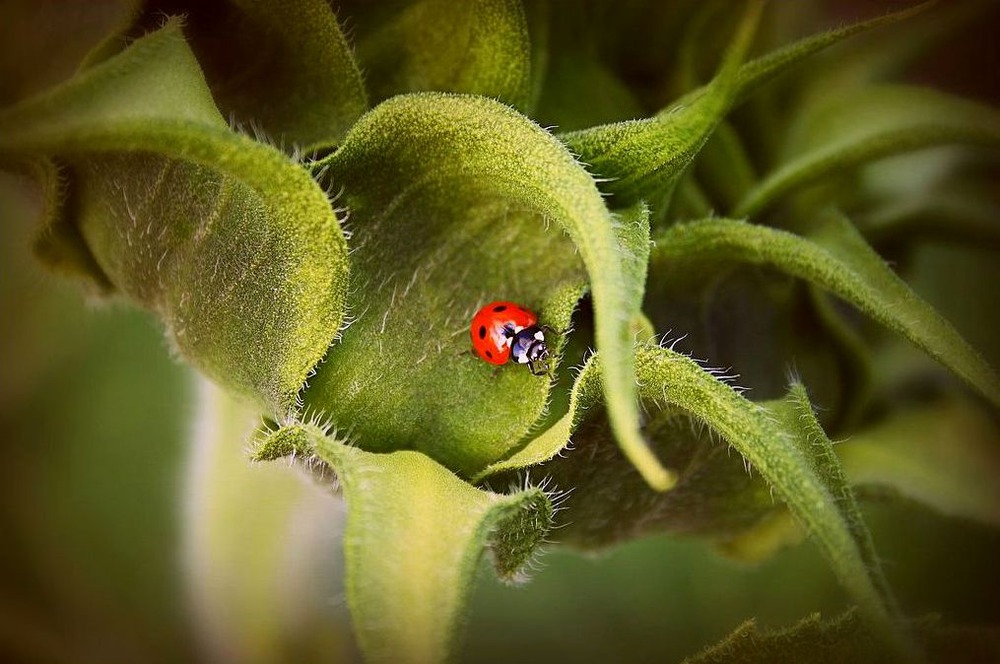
167 198
458 200
433 156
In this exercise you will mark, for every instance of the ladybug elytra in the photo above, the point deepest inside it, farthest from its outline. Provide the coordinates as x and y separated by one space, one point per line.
504 331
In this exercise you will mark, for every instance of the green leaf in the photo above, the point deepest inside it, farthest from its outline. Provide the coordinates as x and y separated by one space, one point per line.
944 456
781 443
633 237
450 196
415 535
838 259
585 394
939 195
714 496
846 639
201 224
284 68
58 243
576 89
476 47
755 74
642 159
244 555
850 128
795 414
607 98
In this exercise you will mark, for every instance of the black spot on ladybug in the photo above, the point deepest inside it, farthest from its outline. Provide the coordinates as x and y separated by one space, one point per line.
489 354
500 307
482 331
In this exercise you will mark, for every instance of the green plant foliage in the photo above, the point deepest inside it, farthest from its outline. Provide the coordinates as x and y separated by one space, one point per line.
838 259
58 244
847 129
313 91
440 187
633 236
641 159
337 292
406 607
756 73
265 231
714 496
477 47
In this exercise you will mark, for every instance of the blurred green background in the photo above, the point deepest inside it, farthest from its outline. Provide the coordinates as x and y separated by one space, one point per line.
97 420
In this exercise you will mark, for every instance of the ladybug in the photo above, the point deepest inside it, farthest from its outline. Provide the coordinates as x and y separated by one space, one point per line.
504 331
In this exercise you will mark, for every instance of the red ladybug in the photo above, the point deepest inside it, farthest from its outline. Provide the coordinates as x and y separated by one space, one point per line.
503 331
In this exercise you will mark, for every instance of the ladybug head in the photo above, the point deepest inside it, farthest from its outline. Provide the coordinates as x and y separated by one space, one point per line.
528 347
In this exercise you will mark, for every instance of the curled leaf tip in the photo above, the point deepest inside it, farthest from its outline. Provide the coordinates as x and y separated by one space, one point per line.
517 537
281 442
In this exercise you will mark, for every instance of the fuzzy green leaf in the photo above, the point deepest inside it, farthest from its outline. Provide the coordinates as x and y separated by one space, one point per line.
795 414
944 456
406 607
782 442
284 68
449 196
811 486
642 159
836 258
850 128
199 223
476 47
585 394
714 497
633 237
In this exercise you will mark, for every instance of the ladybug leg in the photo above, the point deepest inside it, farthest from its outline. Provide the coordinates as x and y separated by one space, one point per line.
549 330
539 368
